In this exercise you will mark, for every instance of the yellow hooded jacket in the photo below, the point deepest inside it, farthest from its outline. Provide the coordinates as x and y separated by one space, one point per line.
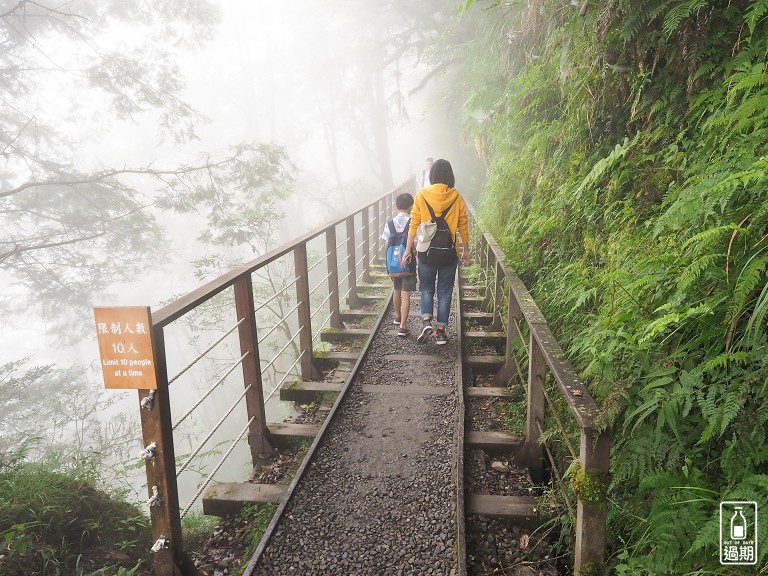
440 197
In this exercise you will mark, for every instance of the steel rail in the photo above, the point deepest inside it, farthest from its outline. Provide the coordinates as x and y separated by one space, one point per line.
291 339
311 451
321 283
320 306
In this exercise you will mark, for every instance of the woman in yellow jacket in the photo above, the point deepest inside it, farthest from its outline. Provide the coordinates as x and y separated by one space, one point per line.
440 196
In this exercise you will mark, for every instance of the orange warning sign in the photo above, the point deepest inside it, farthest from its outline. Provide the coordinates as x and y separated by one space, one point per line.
125 345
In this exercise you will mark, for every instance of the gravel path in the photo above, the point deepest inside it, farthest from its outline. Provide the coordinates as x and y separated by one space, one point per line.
379 495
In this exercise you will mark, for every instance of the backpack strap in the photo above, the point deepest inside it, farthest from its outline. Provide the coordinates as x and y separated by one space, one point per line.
392 229
449 207
432 212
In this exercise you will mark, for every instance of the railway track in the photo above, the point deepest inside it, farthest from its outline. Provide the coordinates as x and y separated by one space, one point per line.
382 487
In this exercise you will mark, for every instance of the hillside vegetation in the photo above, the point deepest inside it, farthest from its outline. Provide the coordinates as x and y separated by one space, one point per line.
625 144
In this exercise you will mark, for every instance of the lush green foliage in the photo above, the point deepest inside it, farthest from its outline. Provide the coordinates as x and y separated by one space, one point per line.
53 520
258 517
625 145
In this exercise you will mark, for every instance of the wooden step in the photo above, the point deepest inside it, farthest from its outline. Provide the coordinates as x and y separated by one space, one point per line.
485 364
336 335
510 507
372 300
307 391
230 497
356 315
475 301
331 358
484 335
493 441
483 318
375 286
288 430
478 392
470 288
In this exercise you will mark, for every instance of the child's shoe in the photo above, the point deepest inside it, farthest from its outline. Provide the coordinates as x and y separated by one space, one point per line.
402 332
441 339
397 321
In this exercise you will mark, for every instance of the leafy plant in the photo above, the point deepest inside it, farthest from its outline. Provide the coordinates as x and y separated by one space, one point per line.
627 184
258 516
54 520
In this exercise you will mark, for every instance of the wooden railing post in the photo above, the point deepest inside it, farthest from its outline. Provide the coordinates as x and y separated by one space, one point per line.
156 426
258 434
498 295
483 253
378 226
511 368
333 277
352 299
537 370
594 457
308 370
366 247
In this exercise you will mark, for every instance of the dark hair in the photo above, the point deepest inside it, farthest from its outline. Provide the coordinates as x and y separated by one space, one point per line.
442 173
403 201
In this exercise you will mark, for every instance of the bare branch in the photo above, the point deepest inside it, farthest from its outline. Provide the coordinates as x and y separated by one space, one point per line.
18 249
107 174
13 10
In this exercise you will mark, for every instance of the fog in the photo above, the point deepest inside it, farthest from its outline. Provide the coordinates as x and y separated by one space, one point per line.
302 75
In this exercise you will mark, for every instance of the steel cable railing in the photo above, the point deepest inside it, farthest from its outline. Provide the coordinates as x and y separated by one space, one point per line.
275 295
210 390
200 445
287 373
361 226
207 481
202 354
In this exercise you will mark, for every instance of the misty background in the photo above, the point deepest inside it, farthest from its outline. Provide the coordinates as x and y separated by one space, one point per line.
148 148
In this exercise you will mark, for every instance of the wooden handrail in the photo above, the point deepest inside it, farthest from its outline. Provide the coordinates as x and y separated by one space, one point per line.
579 399
545 353
170 558
192 300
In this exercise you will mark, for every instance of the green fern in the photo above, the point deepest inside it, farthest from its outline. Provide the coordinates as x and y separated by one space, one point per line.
694 271
720 404
750 276
676 15
755 330
755 13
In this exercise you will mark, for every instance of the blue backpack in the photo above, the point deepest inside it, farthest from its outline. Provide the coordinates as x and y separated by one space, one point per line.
396 250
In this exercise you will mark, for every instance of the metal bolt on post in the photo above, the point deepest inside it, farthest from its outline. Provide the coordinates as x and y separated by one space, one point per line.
149 451
148 401
160 544
155 499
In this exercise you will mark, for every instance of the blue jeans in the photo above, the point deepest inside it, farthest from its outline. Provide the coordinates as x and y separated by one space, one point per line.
445 276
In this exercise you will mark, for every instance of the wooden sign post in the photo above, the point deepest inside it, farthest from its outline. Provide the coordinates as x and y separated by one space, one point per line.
125 345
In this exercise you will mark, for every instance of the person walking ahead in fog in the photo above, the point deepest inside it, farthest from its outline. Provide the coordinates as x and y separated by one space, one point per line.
424 178
437 259
404 283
